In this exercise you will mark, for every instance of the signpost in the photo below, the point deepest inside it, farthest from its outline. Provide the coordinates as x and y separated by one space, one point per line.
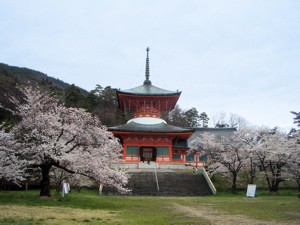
251 190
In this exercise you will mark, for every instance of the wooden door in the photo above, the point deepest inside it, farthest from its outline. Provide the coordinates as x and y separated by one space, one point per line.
148 154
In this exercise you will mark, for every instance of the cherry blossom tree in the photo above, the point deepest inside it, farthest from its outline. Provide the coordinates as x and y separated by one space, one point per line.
227 155
273 151
11 169
67 138
293 166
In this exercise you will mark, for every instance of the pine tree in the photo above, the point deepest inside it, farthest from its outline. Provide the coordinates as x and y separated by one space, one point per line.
297 118
204 118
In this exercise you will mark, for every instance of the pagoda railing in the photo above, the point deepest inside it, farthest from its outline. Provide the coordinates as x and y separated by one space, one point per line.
147 111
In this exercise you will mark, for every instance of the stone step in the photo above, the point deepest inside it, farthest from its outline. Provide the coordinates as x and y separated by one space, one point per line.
170 184
147 165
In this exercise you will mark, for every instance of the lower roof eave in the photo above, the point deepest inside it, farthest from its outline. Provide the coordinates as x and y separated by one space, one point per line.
120 132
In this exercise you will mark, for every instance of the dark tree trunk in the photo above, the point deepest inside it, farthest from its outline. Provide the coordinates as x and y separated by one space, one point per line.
233 186
274 188
252 179
45 182
276 180
275 185
252 171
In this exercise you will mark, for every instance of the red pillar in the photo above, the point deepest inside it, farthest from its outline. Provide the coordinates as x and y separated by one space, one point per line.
170 153
124 152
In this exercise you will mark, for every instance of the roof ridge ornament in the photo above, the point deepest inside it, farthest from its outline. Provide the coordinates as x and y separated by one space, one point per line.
147 73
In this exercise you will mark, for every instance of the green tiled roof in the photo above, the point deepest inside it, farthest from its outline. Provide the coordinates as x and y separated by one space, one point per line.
155 128
148 89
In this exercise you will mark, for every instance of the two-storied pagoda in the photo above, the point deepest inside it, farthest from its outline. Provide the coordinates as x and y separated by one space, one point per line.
147 137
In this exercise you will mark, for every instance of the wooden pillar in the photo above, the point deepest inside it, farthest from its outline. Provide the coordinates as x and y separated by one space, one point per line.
170 153
140 152
124 151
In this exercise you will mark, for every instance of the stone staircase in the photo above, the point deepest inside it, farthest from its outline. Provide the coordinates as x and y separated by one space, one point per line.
143 183
183 184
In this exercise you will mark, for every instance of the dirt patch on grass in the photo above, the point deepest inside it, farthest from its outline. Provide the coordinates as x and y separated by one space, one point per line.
217 217
57 215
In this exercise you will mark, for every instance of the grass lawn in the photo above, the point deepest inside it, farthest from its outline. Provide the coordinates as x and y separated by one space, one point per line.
86 207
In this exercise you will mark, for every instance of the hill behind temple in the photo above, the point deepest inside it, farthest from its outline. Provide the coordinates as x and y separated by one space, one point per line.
100 101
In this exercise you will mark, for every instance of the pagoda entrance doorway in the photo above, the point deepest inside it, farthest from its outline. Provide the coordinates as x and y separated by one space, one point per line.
148 153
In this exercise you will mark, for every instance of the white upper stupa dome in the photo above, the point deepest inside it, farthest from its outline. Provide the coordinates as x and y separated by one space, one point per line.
147 120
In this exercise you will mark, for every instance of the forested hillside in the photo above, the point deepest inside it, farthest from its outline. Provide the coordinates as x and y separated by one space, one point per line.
11 76
100 101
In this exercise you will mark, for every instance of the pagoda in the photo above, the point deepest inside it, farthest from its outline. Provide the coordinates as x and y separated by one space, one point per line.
146 137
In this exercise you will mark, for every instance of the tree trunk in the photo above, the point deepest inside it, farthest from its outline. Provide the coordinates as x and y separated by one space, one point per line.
274 188
252 179
233 186
276 178
275 185
45 182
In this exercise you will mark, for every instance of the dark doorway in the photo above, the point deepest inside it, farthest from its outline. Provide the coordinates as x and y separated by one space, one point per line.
148 153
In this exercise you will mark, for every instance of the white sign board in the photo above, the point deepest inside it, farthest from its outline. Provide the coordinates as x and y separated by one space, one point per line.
251 190
66 189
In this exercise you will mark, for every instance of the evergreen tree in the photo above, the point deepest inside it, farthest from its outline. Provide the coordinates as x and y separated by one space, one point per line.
103 103
90 102
177 118
204 119
192 117
73 97
297 118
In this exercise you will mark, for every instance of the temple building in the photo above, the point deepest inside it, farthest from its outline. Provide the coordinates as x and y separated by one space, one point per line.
146 137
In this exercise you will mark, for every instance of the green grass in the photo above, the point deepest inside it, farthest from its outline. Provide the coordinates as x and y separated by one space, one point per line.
86 207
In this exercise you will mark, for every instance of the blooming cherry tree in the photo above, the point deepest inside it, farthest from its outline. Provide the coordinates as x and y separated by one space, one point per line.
11 169
274 153
67 138
293 167
227 155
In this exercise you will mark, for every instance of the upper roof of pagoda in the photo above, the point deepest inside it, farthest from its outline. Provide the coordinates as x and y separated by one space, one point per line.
149 90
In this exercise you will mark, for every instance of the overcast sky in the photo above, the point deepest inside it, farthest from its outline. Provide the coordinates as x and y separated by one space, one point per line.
227 56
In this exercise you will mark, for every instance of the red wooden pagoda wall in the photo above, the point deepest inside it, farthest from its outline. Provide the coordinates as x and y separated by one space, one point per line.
160 142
